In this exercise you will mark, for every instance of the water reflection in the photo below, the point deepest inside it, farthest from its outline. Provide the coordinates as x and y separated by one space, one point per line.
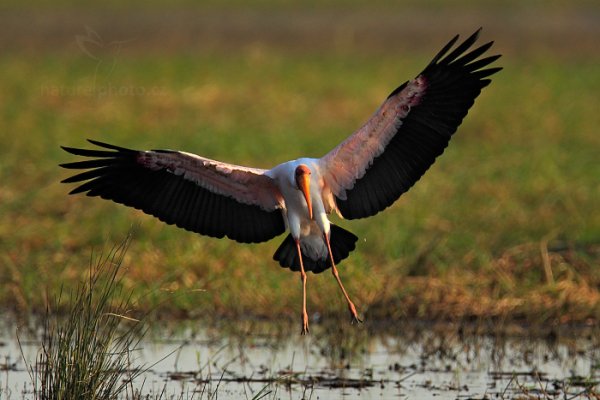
339 361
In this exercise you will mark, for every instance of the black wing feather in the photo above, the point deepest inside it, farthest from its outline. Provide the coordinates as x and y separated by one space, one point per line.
454 81
116 175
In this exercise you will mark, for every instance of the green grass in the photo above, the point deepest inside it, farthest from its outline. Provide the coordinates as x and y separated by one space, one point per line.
89 354
469 240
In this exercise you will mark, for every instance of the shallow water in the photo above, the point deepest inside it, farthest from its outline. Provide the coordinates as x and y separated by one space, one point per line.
367 362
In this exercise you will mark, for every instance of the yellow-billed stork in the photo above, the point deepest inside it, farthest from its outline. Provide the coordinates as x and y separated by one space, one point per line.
360 177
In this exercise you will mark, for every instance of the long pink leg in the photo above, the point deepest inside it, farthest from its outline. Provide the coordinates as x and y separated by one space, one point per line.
353 314
303 277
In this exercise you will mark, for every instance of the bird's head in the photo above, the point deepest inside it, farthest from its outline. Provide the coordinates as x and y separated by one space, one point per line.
302 179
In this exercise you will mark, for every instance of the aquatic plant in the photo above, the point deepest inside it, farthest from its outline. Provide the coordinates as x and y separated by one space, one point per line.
88 353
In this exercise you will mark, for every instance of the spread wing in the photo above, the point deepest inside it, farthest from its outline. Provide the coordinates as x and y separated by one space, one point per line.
195 193
372 168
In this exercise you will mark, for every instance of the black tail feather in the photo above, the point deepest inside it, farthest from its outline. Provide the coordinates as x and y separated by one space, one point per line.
342 243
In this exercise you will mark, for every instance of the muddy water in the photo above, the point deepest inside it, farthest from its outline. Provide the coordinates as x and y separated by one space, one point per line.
367 362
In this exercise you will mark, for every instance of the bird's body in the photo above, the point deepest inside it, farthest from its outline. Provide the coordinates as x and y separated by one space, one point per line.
296 213
360 177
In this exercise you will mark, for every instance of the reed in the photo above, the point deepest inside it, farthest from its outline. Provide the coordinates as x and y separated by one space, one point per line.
89 352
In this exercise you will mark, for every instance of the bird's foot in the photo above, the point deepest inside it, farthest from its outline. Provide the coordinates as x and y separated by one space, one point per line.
353 314
305 329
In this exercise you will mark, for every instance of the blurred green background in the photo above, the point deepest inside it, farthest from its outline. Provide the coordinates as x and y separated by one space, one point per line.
505 224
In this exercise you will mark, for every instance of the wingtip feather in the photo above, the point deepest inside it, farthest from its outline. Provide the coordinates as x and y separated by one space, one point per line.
444 50
72 150
107 145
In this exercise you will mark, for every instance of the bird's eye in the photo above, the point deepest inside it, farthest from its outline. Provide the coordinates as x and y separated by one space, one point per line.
302 170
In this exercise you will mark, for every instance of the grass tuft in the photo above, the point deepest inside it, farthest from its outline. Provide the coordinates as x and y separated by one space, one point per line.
88 352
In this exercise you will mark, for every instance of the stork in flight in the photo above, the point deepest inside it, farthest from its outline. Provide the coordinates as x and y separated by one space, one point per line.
362 176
